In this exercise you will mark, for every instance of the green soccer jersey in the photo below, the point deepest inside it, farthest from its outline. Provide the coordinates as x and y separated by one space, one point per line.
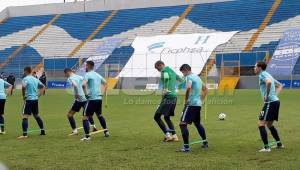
168 80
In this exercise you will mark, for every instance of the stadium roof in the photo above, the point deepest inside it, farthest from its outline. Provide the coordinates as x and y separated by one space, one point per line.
8 3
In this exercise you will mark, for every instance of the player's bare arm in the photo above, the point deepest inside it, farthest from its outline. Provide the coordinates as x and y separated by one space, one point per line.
23 92
204 92
74 84
84 85
104 86
278 87
268 88
9 90
187 93
42 90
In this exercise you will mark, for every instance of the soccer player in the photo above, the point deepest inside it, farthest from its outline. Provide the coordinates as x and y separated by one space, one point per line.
3 85
168 103
196 92
80 100
32 88
94 84
269 88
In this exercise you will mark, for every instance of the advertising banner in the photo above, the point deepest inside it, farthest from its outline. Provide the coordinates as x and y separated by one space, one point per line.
174 50
286 54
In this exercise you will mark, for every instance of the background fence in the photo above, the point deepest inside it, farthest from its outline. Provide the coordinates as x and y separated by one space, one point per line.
225 64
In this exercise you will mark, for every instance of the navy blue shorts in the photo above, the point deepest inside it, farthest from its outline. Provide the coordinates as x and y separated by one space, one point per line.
270 111
93 106
191 114
31 107
77 105
167 106
2 106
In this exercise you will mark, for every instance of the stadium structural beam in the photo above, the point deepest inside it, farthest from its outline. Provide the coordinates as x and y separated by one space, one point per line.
32 39
181 18
3 20
93 34
263 25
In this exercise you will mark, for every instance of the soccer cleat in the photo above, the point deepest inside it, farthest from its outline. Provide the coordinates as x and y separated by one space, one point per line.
175 138
85 139
22 137
2 132
73 133
168 139
204 146
95 129
278 146
265 150
106 134
184 149
43 133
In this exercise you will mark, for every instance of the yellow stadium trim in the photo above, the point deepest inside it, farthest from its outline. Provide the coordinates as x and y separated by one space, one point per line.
263 25
3 20
180 19
228 84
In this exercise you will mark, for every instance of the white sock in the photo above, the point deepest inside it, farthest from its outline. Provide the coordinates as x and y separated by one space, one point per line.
168 135
75 131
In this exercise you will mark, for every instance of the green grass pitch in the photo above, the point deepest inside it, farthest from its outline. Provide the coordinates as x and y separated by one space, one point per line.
135 141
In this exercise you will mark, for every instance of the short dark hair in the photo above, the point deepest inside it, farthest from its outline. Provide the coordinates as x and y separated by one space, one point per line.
90 63
185 67
158 63
262 65
67 70
27 69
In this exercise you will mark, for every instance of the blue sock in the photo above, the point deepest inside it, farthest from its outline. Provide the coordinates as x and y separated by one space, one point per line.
160 123
72 122
170 124
102 121
39 121
264 136
275 135
2 123
185 135
25 126
91 120
86 127
201 132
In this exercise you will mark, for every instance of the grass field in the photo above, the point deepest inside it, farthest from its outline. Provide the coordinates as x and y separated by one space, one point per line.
135 141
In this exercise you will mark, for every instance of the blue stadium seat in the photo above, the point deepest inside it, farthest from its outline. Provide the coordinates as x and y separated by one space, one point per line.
230 15
132 18
81 25
246 59
16 24
58 64
29 57
271 47
119 56
222 16
286 10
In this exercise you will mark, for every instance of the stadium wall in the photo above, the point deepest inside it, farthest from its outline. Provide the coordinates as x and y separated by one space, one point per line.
96 5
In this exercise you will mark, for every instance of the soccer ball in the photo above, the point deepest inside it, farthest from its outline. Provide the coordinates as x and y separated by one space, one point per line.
222 116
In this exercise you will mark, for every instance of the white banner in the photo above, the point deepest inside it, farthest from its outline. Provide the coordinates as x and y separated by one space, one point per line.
174 50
